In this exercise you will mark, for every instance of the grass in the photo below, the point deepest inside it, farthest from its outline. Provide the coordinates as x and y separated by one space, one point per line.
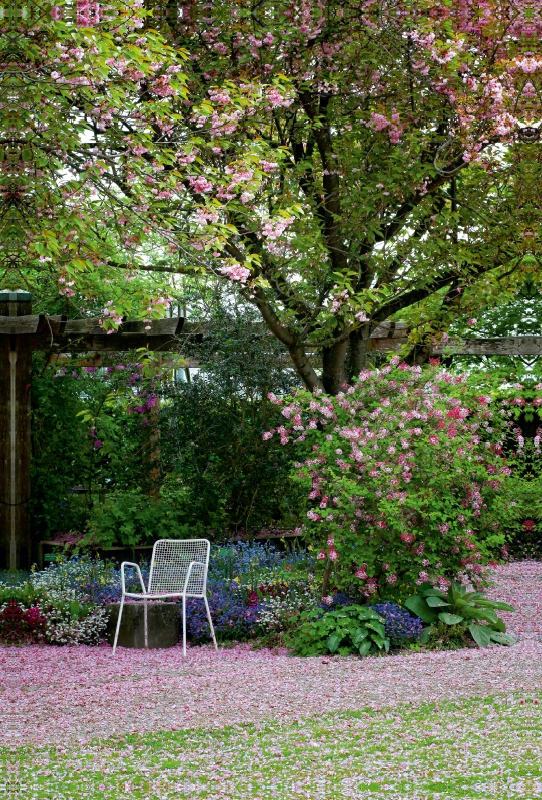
481 748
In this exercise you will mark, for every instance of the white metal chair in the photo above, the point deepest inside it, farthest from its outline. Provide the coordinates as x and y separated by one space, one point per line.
178 569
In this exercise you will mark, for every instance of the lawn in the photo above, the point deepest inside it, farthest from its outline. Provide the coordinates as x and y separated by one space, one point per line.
476 748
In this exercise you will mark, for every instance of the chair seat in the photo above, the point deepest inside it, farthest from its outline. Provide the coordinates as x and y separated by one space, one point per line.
160 596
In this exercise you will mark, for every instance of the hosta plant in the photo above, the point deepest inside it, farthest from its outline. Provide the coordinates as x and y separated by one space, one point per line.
353 629
458 607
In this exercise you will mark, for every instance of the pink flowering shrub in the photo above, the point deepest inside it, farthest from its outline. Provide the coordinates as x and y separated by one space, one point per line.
404 471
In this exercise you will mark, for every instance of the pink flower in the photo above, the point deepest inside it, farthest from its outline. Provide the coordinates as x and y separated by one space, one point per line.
236 273
433 439
333 555
321 555
200 184
378 122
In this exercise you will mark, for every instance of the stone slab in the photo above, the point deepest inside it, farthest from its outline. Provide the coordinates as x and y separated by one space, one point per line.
163 621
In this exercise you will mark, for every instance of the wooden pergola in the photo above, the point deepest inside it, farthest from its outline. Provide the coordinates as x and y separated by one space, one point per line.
22 332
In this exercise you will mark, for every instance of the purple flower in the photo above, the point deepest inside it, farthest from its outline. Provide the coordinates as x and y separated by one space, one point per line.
97 444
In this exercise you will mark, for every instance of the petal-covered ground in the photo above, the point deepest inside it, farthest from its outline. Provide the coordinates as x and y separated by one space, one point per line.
81 693
487 749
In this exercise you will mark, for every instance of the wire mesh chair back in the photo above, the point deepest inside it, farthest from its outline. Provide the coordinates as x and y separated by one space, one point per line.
169 566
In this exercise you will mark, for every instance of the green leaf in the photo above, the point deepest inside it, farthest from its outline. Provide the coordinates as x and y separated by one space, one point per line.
378 640
435 602
378 627
418 606
486 614
450 619
434 593
481 634
502 638
426 635
360 635
364 647
498 606
498 626
366 613
333 642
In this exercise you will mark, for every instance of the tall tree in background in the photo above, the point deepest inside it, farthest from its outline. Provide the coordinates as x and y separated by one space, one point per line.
338 162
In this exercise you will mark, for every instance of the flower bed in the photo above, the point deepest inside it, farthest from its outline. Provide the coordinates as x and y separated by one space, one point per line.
256 593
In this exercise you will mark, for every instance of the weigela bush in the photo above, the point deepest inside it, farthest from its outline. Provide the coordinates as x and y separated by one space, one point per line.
403 471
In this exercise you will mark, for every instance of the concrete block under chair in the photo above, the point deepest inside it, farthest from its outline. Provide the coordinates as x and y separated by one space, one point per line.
163 625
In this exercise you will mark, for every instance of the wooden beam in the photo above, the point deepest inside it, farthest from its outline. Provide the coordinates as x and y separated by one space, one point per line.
42 324
113 343
509 346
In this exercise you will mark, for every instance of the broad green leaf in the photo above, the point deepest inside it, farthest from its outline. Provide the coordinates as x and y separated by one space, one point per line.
498 606
435 593
480 613
450 619
360 635
481 634
435 602
502 638
364 647
418 606
426 635
378 627
333 642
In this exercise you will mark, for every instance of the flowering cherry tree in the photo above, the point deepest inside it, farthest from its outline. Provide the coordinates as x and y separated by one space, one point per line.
352 150
404 470
337 164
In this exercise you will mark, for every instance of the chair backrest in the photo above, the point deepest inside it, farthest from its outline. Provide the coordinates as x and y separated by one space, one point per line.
169 565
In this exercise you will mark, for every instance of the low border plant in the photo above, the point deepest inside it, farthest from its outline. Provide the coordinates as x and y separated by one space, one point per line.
467 613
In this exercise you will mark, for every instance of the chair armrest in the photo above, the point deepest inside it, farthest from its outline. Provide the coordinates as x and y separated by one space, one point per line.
189 572
123 583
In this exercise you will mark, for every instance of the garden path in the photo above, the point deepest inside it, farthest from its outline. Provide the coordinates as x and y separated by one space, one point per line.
73 694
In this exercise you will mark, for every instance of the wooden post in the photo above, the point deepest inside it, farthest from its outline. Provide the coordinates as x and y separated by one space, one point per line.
151 451
15 443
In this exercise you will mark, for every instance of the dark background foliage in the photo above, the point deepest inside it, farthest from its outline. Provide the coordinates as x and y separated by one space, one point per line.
218 476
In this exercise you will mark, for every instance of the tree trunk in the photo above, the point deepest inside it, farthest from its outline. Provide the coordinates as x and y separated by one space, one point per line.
357 351
334 374
304 368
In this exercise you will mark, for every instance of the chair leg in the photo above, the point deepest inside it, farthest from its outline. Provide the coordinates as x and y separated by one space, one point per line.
184 625
118 624
210 621
146 620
